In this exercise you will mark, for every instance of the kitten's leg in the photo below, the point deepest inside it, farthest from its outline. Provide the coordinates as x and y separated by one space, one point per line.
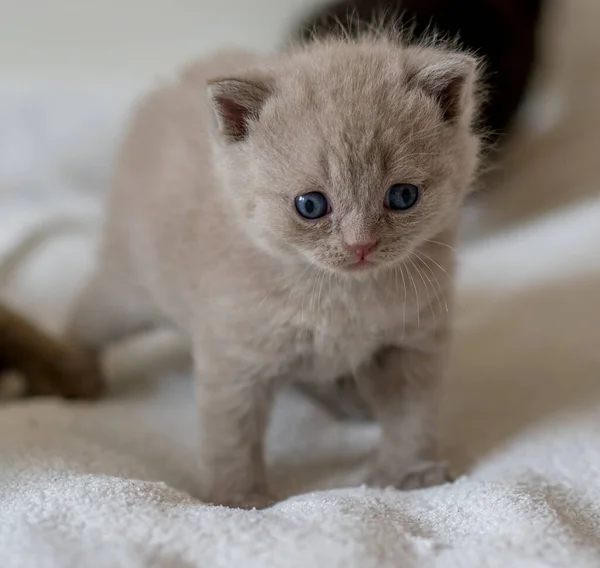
233 416
341 399
401 387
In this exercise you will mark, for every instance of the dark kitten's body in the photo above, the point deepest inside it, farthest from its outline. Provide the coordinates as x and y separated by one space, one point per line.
503 32
49 366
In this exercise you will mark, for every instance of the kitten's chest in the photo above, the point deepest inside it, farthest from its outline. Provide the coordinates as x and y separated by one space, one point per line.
341 336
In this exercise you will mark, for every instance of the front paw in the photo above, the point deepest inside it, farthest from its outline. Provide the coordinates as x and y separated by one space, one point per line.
419 475
248 501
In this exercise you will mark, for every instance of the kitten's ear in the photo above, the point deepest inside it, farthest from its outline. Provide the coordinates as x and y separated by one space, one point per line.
450 81
237 103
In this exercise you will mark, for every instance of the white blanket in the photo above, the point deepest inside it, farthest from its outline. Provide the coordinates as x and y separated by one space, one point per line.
111 484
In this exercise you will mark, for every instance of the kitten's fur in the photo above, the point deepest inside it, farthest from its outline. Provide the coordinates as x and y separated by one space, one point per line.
47 365
501 32
202 232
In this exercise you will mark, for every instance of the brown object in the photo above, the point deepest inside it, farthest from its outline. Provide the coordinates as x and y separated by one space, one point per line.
50 366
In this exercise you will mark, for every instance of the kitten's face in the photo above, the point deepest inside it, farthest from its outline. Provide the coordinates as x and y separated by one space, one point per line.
348 167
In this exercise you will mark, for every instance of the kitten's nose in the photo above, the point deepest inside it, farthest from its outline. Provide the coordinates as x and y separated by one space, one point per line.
363 249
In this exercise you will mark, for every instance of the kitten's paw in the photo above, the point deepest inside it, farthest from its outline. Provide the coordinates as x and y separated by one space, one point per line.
418 476
250 501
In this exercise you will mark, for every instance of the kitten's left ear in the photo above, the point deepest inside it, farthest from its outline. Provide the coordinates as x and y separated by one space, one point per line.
450 81
237 103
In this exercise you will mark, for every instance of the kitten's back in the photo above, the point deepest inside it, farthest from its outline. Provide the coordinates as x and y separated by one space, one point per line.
164 173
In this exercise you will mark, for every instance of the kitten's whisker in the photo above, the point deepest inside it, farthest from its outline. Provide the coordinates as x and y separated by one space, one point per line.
297 282
441 244
424 262
403 303
440 292
417 298
329 296
388 293
313 290
302 302
426 288
318 287
437 289
265 298
305 294
321 289
434 262
310 295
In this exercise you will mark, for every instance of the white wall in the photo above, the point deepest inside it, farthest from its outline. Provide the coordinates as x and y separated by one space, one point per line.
82 39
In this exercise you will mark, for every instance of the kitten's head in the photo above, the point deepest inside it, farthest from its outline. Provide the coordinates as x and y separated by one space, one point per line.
348 155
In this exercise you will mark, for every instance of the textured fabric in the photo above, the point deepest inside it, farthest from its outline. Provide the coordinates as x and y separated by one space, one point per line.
112 484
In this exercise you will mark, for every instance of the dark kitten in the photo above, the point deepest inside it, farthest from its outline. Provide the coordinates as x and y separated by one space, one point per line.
503 32
49 366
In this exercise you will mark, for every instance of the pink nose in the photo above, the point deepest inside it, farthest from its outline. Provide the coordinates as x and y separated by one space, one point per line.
362 250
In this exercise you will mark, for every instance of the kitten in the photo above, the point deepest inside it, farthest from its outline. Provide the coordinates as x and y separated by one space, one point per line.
295 215
501 32
47 365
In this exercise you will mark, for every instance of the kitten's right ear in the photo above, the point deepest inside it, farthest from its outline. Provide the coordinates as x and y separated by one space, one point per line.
450 81
237 103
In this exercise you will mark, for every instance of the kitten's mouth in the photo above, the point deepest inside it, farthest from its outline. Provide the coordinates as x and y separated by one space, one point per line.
362 264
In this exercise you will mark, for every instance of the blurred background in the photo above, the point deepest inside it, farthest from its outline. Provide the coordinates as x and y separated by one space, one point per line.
130 39
521 407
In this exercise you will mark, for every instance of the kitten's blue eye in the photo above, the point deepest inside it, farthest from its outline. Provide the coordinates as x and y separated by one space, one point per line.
312 205
401 196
